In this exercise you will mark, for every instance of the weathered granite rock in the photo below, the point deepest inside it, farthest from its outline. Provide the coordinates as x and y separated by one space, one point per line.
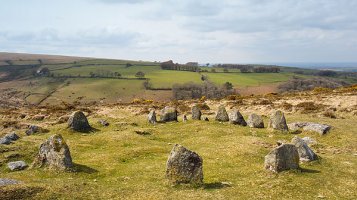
12 136
17 165
305 153
152 117
32 130
5 181
5 140
278 122
255 121
54 153
283 157
222 115
103 122
168 114
184 166
78 122
196 113
309 126
235 117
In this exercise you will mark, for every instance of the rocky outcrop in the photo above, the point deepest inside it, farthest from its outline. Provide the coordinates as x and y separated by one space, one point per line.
305 153
310 126
78 122
278 122
235 117
255 121
222 115
54 153
196 113
168 114
283 157
184 166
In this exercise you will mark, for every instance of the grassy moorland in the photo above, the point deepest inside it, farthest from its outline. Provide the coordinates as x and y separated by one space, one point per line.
116 163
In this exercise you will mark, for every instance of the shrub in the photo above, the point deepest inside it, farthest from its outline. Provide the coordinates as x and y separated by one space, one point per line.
286 106
329 114
299 84
308 106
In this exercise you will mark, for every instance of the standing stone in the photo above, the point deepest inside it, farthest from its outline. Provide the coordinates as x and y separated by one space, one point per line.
168 114
255 121
152 117
222 115
184 119
184 166
196 113
235 117
54 153
283 157
17 165
305 153
78 122
278 121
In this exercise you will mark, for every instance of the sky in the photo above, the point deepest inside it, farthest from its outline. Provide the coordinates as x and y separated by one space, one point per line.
206 31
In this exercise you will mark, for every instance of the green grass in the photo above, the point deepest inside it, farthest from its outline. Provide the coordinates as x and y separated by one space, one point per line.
116 163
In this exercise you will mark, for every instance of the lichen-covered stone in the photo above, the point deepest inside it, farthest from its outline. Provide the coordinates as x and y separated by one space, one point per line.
283 157
278 122
196 113
310 126
305 153
184 166
17 165
168 114
222 115
54 153
255 121
152 117
78 122
235 117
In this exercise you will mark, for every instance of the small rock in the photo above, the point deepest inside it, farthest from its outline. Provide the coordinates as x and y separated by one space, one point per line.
12 136
283 157
78 122
5 181
32 130
184 166
17 165
222 115
103 122
309 126
278 122
152 117
5 141
255 121
236 117
196 113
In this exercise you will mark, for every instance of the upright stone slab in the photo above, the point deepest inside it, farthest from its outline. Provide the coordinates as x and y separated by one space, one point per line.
54 153
184 166
305 153
168 114
152 117
196 113
283 157
255 121
222 115
235 117
278 122
78 122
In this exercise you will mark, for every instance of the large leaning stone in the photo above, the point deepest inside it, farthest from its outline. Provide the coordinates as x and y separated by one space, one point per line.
309 126
305 153
235 117
54 153
184 166
168 114
196 113
278 122
152 117
255 121
283 157
78 122
222 115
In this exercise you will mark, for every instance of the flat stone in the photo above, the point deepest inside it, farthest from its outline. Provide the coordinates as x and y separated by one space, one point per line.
310 126
5 181
17 165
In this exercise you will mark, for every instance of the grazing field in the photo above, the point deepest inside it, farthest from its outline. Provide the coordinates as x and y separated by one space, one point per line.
116 163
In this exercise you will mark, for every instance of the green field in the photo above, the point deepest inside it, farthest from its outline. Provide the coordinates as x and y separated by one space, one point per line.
117 163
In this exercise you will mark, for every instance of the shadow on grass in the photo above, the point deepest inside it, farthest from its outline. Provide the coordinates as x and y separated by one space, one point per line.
84 169
304 170
215 185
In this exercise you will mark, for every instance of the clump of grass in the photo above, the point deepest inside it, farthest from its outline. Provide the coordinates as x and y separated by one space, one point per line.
286 106
330 114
